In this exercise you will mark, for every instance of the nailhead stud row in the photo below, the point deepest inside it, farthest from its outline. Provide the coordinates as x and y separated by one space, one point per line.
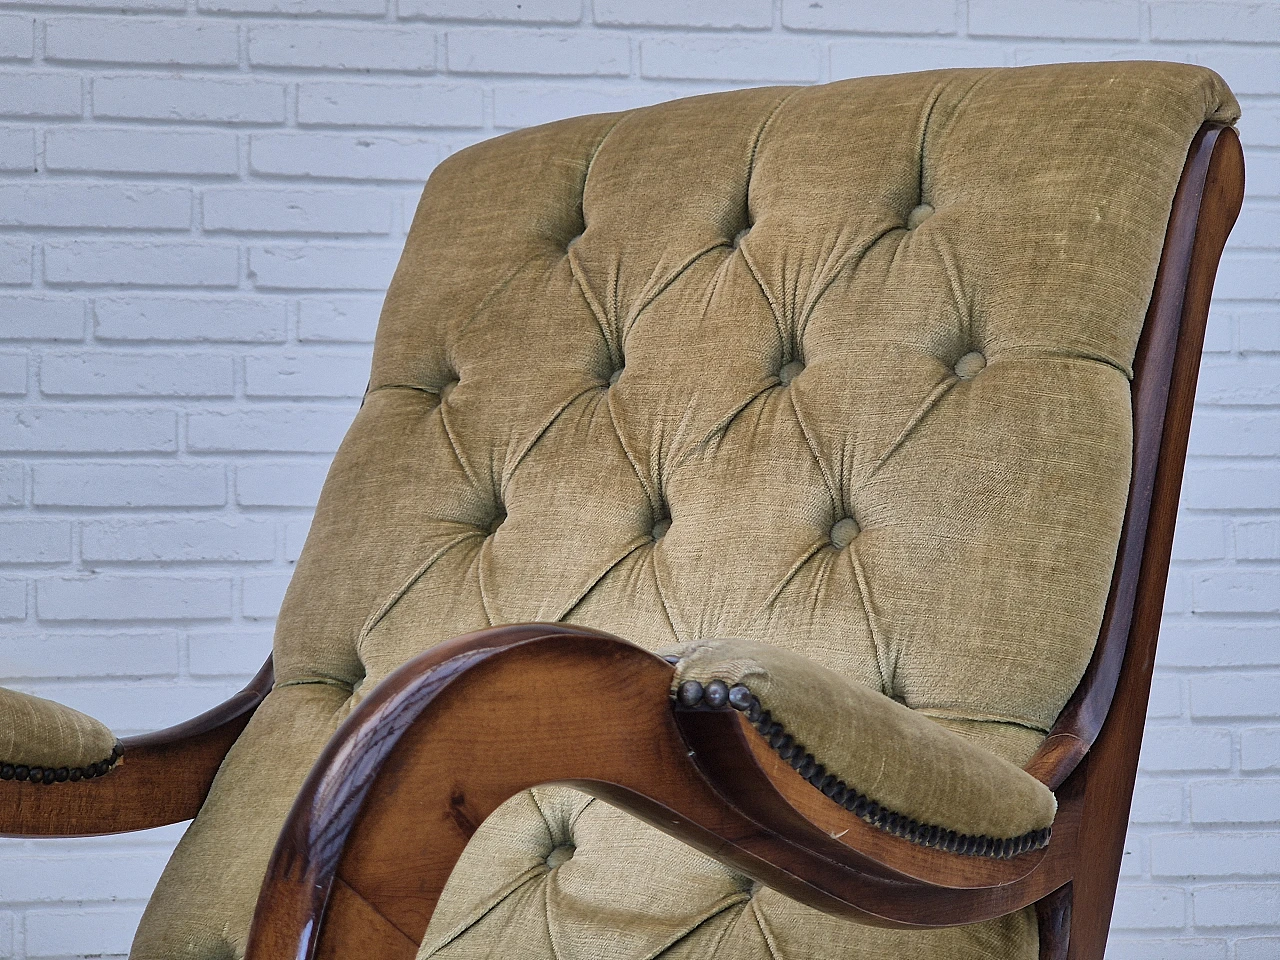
20 771
717 694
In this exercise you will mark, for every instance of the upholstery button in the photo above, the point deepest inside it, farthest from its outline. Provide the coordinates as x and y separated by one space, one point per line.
497 521
790 371
919 215
447 389
615 376
661 527
560 854
843 532
967 367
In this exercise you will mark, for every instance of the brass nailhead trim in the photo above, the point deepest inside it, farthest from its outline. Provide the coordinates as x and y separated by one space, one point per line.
717 694
45 775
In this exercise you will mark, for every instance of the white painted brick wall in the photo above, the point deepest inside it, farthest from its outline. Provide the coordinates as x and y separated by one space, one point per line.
200 204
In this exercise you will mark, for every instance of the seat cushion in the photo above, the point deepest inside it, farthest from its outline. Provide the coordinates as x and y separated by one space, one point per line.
843 369
555 874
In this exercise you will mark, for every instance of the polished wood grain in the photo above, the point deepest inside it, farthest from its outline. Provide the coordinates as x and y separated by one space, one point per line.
1053 915
163 778
379 938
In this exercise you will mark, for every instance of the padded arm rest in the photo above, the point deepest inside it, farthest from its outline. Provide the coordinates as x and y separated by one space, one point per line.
165 779
45 742
894 768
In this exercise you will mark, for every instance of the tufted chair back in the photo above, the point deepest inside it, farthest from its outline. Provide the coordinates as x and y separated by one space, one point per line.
844 369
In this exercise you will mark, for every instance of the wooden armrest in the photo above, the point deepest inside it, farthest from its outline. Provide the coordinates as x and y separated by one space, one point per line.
442 742
162 778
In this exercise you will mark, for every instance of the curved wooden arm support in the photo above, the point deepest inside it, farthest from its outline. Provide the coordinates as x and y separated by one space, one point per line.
163 778
440 744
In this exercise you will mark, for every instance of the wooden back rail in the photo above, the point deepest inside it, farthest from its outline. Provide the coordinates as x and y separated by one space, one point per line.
439 745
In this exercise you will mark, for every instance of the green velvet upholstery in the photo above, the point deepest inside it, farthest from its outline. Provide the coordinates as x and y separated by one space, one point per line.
41 740
841 369
898 761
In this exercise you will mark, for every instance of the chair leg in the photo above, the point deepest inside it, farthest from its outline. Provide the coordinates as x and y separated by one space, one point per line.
1054 916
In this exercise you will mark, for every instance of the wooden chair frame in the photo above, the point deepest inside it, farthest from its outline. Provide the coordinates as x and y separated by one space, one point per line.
439 745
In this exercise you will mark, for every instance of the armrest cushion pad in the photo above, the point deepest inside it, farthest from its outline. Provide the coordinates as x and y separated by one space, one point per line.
38 733
899 759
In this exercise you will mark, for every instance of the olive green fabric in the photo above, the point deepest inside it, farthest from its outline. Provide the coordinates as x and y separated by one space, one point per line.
652 372
35 732
890 753
532 883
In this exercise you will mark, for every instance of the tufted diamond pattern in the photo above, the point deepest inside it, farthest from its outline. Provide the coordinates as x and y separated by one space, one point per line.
840 368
